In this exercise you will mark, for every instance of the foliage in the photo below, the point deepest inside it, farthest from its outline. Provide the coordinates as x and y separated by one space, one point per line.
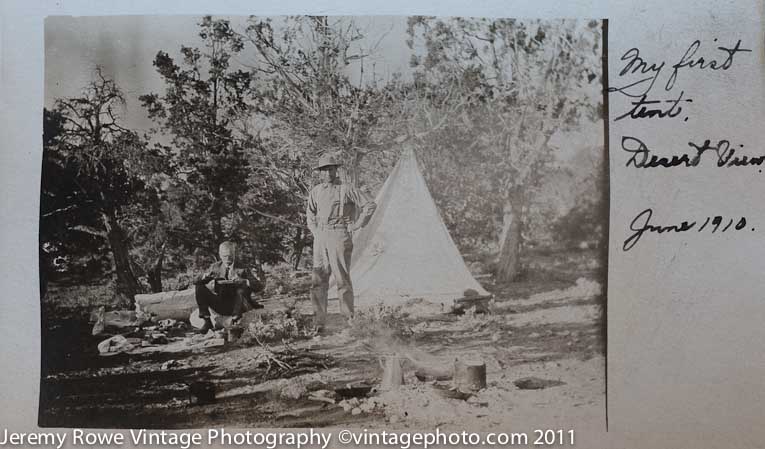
305 103
312 103
584 223
205 109
283 280
499 89
94 169
61 248
78 300
245 113
278 326
180 280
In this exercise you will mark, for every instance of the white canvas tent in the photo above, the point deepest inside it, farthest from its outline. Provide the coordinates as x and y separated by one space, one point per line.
405 251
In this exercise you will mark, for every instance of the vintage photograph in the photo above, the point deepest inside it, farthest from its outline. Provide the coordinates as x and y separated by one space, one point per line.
317 221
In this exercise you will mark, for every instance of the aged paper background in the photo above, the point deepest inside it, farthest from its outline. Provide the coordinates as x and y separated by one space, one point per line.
686 360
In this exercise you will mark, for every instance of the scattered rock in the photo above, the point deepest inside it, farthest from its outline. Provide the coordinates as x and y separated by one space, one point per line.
350 404
366 407
169 364
322 396
293 390
475 400
356 411
534 335
166 324
201 393
452 394
115 345
158 338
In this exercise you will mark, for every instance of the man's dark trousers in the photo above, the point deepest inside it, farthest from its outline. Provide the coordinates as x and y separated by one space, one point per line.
230 303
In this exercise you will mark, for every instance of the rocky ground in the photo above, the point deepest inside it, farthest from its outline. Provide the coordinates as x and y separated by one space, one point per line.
542 341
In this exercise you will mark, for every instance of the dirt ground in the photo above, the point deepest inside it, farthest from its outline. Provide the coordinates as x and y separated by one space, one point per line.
547 329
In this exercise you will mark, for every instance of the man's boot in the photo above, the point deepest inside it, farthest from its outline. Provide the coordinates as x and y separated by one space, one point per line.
253 304
207 326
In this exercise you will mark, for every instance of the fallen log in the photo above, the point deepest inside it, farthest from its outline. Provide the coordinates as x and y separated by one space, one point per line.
535 383
430 374
175 305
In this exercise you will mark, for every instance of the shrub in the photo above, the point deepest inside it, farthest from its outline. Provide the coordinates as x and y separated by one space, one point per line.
180 281
282 279
278 326
381 323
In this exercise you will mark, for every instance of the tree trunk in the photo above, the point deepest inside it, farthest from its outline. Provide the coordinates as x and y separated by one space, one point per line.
155 272
297 248
356 169
216 222
217 229
175 305
127 284
508 266
350 175
155 278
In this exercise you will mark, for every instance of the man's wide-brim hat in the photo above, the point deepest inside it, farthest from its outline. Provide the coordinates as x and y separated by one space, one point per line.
327 160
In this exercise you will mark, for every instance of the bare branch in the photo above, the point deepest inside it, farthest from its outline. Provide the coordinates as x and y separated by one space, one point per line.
59 211
89 230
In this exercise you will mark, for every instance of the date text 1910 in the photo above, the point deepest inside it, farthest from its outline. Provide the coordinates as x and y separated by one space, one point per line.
642 224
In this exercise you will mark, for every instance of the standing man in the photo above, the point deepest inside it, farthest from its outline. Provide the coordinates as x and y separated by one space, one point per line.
331 211
232 288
